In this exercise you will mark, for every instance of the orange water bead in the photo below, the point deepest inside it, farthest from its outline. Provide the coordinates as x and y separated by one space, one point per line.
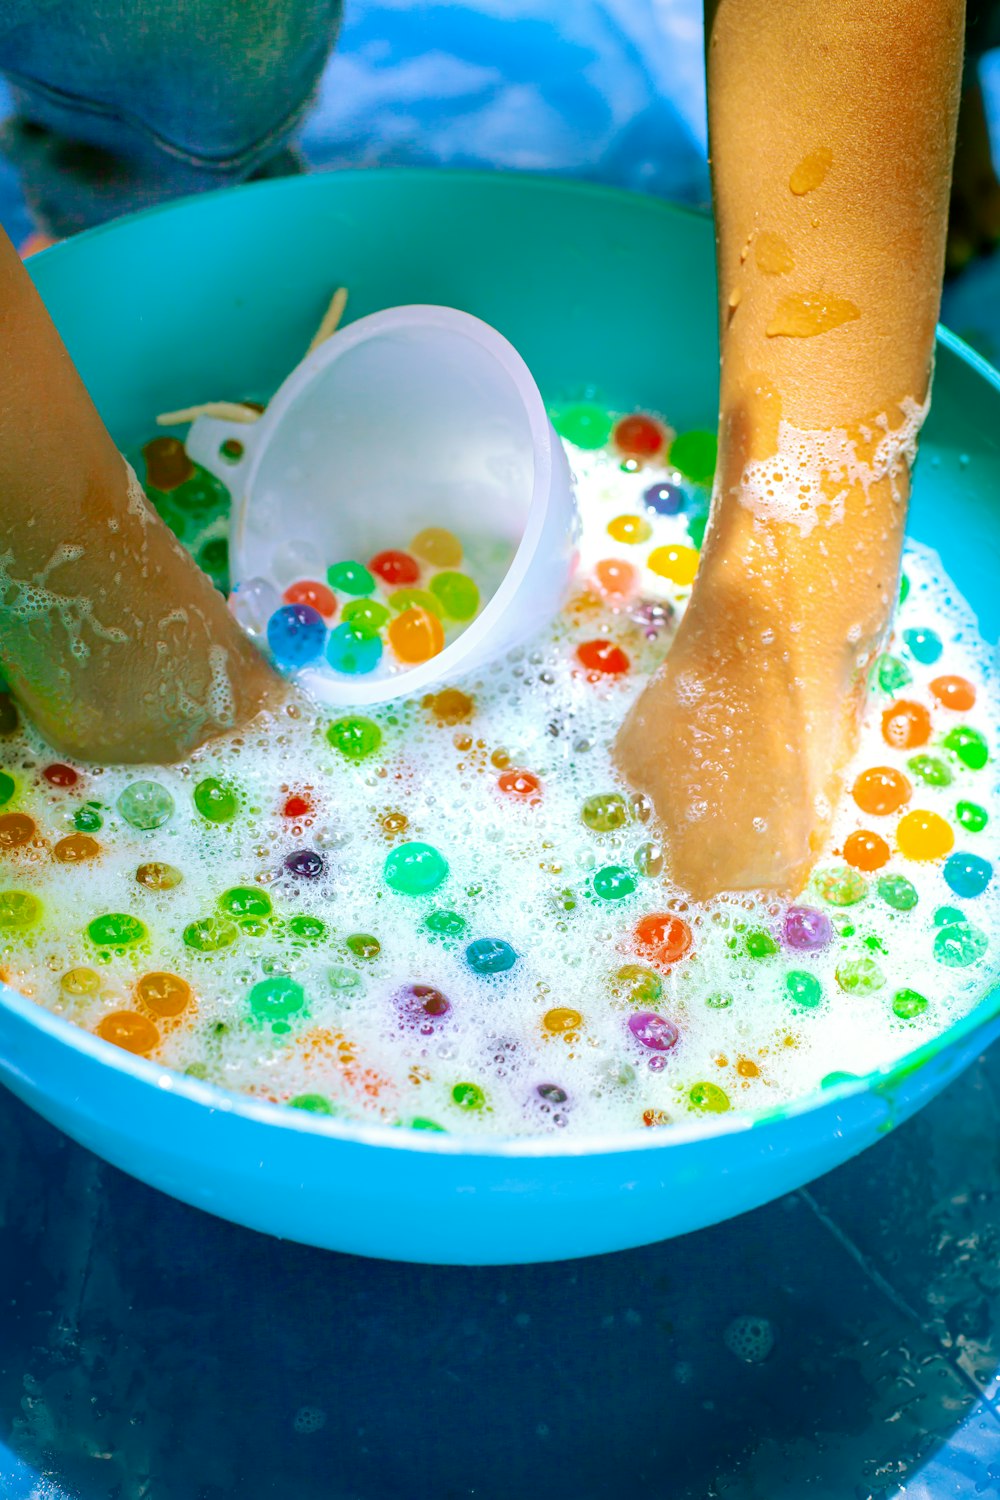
561 1019
662 937
603 658
906 725
416 635
924 835
317 595
882 790
616 578
158 876
297 806
75 848
866 851
130 1031
164 994
16 830
639 436
450 706
630 529
747 1068
956 693
524 785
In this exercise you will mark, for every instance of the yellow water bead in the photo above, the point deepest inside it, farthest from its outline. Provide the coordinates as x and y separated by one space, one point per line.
677 564
561 1019
924 835
438 547
80 983
630 529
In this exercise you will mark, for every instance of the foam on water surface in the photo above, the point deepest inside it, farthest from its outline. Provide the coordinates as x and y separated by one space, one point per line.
438 912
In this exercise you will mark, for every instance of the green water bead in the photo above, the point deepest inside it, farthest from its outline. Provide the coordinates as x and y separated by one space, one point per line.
401 599
959 944
6 788
898 892
893 674
468 1096
202 493
585 424
414 869
604 812
648 859
274 999
215 801
697 526
718 1002
366 615
694 455
313 1104
637 984
831 1080
860 976
947 914
760 944
930 770
87 820
908 1004
968 745
363 945
117 929
307 929
457 594
710 1098
146 805
972 817
803 988
841 886
245 901
354 737
350 577
904 587
19 909
420 1123
447 923
613 883
341 978
210 934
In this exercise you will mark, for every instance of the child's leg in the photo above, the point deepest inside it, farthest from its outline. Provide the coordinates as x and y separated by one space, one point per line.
123 103
832 131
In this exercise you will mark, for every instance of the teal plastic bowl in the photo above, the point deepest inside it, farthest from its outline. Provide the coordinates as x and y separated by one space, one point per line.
218 297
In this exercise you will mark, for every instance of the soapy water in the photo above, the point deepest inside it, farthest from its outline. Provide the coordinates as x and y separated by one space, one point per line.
450 914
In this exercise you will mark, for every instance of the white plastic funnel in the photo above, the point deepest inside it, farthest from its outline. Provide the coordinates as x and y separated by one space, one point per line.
415 417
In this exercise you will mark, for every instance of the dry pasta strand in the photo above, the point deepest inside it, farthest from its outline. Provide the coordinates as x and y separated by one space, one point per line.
330 321
226 411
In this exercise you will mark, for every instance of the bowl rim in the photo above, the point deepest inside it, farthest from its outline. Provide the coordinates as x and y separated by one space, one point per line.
881 1081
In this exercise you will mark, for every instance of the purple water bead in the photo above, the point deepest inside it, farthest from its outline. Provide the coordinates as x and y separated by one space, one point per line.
806 929
305 863
665 499
551 1093
653 1031
422 1006
652 616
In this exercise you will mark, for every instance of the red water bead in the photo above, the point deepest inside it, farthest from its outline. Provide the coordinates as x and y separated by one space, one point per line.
866 851
297 806
395 568
638 436
954 692
316 595
59 775
522 784
662 937
603 657
906 725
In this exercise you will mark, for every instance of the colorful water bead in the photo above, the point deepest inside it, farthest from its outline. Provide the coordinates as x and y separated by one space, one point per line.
649 859
19 909
252 603
16 830
968 745
210 934
216 802
709 1098
664 499
898 892
923 645
155 875
604 812
350 577
366 615
676 563
422 1006
908 1004
923 835
866 851
841 886
860 976
967 875
305 864
9 716
353 649
959 944
61 775
416 635
881 790
490 956
806 929
637 984
7 788
88 819
694 455
414 869
759 944
803 988
116 929
602 659
457 593
893 674
639 436
522 785
167 464
562 1020
972 817
80 982
313 1104
296 634
245 901
146 805
956 693
310 591
616 578
438 547
163 993
630 529
662 938
653 1031
447 923
586 425
130 1031
75 849
355 738
395 568
273 1000
906 725
468 1096
363 945
930 770
613 883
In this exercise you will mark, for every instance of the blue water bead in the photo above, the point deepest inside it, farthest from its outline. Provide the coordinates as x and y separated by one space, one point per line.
352 650
296 635
665 499
923 645
490 956
967 875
